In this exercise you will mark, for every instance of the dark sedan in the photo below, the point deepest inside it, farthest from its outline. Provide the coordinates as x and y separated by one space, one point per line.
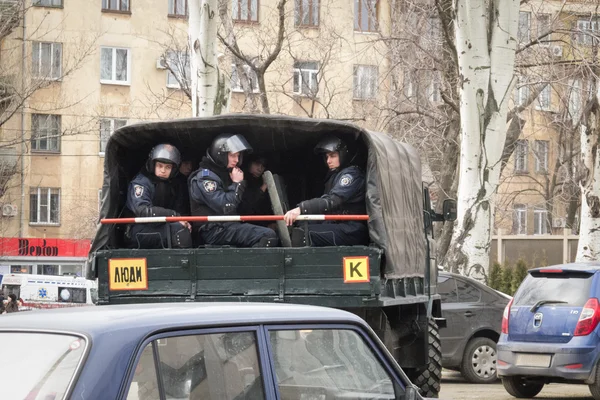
222 351
473 312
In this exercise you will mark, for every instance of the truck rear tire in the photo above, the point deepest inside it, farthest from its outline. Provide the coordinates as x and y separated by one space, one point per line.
428 379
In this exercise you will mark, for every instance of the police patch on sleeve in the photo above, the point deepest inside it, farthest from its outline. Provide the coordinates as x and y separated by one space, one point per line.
209 186
139 191
346 180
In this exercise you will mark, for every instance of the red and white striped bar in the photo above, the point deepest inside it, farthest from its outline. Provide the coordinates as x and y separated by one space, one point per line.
233 218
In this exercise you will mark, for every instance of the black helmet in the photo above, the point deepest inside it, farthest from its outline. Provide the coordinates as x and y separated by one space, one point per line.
165 153
330 143
227 143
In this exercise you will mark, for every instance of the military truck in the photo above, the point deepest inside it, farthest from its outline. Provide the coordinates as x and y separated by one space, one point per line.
390 283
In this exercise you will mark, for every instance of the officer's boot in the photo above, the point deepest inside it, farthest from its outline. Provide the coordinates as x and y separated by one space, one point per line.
298 237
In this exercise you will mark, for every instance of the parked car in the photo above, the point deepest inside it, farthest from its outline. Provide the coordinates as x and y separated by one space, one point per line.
197 351
473 312
550 330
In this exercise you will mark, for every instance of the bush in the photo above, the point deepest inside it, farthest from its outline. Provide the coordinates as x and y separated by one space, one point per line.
519 273
506 281
495 277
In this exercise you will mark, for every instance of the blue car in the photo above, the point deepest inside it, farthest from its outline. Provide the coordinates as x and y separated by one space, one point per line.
550 331
224 351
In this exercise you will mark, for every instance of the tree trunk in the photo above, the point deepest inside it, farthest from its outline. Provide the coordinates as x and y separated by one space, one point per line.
485 43
588 248
203 57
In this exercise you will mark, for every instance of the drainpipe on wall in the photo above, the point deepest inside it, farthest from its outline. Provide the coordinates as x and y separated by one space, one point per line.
23 82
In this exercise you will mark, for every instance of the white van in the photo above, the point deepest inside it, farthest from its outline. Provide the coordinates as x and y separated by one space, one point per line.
48 291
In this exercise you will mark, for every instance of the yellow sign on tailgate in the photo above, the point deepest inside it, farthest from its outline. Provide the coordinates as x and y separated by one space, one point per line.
127 274
356 270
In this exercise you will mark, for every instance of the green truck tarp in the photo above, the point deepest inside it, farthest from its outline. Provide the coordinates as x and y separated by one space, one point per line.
394 184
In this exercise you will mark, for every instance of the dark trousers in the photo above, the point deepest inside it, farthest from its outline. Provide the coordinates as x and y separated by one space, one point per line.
235 234
158 236
338 234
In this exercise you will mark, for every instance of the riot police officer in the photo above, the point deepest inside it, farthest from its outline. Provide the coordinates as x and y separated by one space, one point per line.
344 194
153 193
217 188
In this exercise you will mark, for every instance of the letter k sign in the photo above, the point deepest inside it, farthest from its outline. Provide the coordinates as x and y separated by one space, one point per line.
356 270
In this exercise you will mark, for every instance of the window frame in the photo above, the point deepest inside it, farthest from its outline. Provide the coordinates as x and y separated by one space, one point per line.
37 74
265 350
113 81
179 55
355 77
38 202
542 222
587 27
112 126
547 25
519 209
298 8
544 161
312 92
35 137
36 3
119 11
521 35
175 15
358 9
544 99
248 20
519 143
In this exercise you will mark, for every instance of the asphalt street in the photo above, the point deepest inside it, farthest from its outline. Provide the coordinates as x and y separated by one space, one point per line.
454 387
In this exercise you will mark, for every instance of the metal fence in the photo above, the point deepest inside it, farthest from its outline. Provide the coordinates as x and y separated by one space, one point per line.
535 250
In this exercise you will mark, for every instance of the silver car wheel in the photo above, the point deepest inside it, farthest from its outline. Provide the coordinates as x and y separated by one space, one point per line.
484 362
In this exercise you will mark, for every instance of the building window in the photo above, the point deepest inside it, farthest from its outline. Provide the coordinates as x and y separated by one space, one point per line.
365 15
544 98
365 81
544 25
45 132
44 206
306 12
519 219
46 60
178 8
574 98
306 78
244 10
434 89
540 221
521 156
541 155
115 5
521 92
178 70
236 84
114 66
524 27
409 84
107 127
588 30
48 3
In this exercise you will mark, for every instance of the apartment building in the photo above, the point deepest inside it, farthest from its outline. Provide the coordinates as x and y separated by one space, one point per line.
86 68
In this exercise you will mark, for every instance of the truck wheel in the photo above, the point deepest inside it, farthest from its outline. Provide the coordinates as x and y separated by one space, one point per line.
521 389
428 379
479 361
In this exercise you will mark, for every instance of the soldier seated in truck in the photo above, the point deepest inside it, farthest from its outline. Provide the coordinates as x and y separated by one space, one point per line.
344 194
154 193
217 188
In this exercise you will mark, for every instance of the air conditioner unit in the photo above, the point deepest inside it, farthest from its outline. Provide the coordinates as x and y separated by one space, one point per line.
558 223
161 63
557 51
9 210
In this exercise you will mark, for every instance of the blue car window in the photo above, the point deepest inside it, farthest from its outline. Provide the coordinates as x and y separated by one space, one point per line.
467 293
323 363
145 383
447 289
217 366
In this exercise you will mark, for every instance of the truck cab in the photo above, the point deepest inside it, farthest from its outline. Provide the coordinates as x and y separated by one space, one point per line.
389 282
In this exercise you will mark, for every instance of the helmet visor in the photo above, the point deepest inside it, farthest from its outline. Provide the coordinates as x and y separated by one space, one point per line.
166 153
238 143
328 144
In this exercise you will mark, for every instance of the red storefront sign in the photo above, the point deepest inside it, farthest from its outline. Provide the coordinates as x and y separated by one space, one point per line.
36 247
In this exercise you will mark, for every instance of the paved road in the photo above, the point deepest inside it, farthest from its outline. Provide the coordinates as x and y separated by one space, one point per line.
454 387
